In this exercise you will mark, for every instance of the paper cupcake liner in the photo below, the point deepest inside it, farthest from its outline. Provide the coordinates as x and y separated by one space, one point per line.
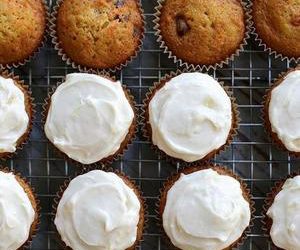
265 47
37 221
182 63
69 61
267 221
160 205
130 137
38 49
265 113
142 225
30 110
147 130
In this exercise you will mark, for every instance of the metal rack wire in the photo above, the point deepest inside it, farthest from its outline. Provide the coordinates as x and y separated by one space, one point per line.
251 155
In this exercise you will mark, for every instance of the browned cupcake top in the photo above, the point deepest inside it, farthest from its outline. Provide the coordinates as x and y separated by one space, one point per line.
22 26
99 33
277 23
202 32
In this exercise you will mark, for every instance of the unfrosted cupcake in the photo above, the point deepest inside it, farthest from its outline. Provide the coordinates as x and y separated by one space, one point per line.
277 24
22 27
18 211
189 117
206 32
98 34
16 114
282 208
90 118
282 113
205 208
100 210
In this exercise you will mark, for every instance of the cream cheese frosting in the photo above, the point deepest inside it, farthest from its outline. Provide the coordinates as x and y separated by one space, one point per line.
285 213
14 119
98 211
205 210
190 116
284 111
16 213
89 117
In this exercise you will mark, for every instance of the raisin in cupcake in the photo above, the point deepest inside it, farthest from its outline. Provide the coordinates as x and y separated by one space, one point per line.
201 33
16 114
277 26
90 118
282 112
189 117
97 34
205 208
281 214
100 210
22 28
18 211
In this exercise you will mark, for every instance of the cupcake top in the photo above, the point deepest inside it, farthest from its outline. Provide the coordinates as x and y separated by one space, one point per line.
22 26
202 32
285 230
99 34
14 119
284 113
277 23
98 211
190 116
16 213
205 210
89 117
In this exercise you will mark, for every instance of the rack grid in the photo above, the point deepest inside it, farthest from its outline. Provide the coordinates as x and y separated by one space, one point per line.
251 155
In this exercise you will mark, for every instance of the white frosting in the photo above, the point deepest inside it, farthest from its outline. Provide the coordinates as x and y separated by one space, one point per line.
89 117
98 211
205 210
16 213
190 116
285 213
284 111
13 117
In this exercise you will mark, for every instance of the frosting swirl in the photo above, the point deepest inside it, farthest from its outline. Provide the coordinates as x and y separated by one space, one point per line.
190 116
285 213
89 117
16 213
98 211
205 210
284 111
14 119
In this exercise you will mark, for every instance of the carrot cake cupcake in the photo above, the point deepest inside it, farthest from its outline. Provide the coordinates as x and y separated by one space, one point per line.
100 210
90 118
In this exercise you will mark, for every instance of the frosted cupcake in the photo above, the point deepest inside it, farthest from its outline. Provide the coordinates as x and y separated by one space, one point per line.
100 210
205 209
282 112
16 113
189 117
18 211
90 118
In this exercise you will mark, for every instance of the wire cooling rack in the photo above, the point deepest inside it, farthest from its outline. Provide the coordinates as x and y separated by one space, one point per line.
251 155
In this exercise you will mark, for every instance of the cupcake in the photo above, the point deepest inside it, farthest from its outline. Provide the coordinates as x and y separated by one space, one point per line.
281 111
22 27
100 210
16 114
205 208
18 211
281 215
206 32
98 34
90 118
277 26
189 116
